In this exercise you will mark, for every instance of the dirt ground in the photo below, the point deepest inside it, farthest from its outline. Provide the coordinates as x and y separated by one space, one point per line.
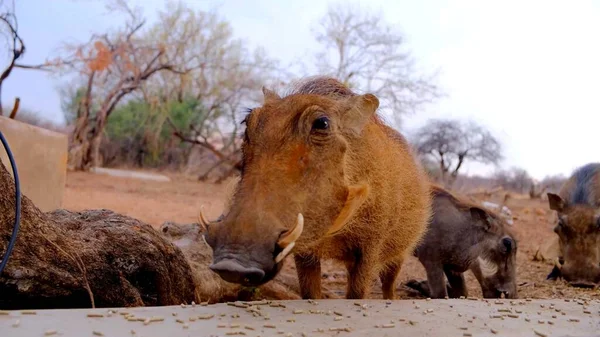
180 200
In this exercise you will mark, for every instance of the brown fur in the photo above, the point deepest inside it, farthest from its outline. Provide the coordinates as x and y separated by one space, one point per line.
288 170
578 227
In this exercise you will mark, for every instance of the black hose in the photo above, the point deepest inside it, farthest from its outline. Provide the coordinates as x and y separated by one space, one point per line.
13 238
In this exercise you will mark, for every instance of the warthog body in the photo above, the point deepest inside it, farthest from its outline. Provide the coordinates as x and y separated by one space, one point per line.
321 174
464 236
578 227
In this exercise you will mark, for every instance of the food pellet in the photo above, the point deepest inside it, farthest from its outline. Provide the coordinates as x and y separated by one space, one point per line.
494 331
338 318
340 329
185 326
388 325
550 322
28 312
221 326
180 321
206 316
338 313
298 311
97 333
573 319
587 312
464 328
95 315
539 333
269 326
468 334
50 332
412 322
248 327
513 316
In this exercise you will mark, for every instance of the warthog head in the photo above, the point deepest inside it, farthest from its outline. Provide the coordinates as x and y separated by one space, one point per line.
496 266
578 230
293 189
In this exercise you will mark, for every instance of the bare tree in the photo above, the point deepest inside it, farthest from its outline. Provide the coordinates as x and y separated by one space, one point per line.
516 179
361 50
451 143
228 80
15 47
113 65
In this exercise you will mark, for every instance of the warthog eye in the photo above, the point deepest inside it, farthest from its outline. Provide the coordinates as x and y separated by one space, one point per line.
508 244
321 123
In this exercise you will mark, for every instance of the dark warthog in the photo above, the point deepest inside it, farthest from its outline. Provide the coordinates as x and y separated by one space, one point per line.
578 208
463 236
321 174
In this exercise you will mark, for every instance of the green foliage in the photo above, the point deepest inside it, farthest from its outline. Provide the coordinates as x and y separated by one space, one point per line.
142 126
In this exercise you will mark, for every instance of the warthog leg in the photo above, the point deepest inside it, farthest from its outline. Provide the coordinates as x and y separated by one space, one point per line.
308 268
388 279
458 287
361 272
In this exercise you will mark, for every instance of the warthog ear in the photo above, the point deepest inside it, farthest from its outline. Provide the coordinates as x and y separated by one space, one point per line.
482 216
361 108
270 95
556 202
357 195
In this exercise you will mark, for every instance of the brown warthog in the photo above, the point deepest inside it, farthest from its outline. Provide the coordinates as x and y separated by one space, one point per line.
321 174
464 236
578 210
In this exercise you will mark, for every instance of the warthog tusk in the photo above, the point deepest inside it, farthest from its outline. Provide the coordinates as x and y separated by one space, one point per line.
284 252
202 219
204 239
292 235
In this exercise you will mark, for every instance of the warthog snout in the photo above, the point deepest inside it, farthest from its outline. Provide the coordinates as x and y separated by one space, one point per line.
232 271
250 262
581 276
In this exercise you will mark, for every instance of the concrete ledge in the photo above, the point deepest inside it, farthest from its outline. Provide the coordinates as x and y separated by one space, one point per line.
41 157
325 318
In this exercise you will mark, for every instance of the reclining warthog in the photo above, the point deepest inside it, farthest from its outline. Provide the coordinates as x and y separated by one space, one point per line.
324 176
463 236
578 211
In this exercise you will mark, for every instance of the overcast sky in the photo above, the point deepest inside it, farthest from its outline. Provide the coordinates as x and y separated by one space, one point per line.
528 70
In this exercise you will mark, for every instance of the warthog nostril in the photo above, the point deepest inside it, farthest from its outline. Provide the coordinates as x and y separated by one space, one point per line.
232 271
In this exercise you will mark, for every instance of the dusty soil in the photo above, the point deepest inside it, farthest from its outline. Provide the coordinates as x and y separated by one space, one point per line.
180 200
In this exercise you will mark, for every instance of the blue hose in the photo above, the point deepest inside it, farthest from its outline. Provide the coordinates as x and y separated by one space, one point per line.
13 238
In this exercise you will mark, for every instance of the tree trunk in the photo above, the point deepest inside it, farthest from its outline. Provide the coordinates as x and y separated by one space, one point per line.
65 259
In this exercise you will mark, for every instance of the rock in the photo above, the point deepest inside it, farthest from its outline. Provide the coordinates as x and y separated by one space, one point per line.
548 251
65 259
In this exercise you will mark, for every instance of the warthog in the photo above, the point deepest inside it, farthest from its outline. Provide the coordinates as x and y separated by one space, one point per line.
578 211
323 176
464 236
